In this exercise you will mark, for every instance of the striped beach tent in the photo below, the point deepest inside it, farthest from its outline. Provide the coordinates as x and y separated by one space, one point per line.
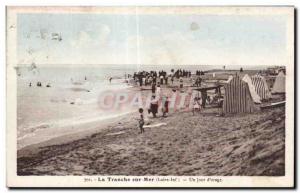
229 78
261 87
237 97
254 95
279 84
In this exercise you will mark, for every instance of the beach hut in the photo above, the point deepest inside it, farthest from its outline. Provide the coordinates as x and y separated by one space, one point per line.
237 97
279 85
254 95
261 87
229 79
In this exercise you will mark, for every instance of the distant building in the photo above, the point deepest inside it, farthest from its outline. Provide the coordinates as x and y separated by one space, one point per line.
275 70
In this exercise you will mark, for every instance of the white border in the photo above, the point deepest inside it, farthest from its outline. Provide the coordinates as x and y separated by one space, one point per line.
290 80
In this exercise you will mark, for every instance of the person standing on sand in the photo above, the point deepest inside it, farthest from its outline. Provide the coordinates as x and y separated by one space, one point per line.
153 88
181 82
199 81
141 120
172 79
204 98
220 106
161 79
150 80
165 108
144 81
153 106
158 91
110 78
166 80
196 105
140 80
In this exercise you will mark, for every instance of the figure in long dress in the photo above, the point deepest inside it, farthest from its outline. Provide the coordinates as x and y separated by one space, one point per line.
154 106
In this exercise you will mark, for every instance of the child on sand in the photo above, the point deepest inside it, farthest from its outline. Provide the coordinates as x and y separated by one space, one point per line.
220 106
161 80
181 82
158 90
165 107
196 105
141 120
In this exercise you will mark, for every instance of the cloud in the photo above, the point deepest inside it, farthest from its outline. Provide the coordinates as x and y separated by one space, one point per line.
164 49
104 32
178 48
91 38
97 43
81 40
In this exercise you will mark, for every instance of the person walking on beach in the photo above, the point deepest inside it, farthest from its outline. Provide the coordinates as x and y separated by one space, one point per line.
172 79
141 120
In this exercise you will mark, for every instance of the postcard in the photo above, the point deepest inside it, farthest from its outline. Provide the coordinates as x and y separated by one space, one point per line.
150 97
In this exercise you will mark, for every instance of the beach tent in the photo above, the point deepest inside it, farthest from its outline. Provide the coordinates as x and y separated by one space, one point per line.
279 85
254 95
229 79
237 97
261 87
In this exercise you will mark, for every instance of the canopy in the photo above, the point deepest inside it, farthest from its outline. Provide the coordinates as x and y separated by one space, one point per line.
254 95
279 85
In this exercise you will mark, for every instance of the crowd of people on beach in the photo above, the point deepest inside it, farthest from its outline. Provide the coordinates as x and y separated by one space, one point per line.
145 78
199 72
156 80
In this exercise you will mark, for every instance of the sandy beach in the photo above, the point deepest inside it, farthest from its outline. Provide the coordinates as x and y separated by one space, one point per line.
204 144
181 144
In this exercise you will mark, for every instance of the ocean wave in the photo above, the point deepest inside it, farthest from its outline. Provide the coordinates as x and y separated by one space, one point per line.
31 131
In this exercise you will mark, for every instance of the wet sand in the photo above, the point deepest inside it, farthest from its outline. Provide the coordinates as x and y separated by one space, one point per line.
203 144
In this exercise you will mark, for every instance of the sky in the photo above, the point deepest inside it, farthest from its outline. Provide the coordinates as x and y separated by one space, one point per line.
152 39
